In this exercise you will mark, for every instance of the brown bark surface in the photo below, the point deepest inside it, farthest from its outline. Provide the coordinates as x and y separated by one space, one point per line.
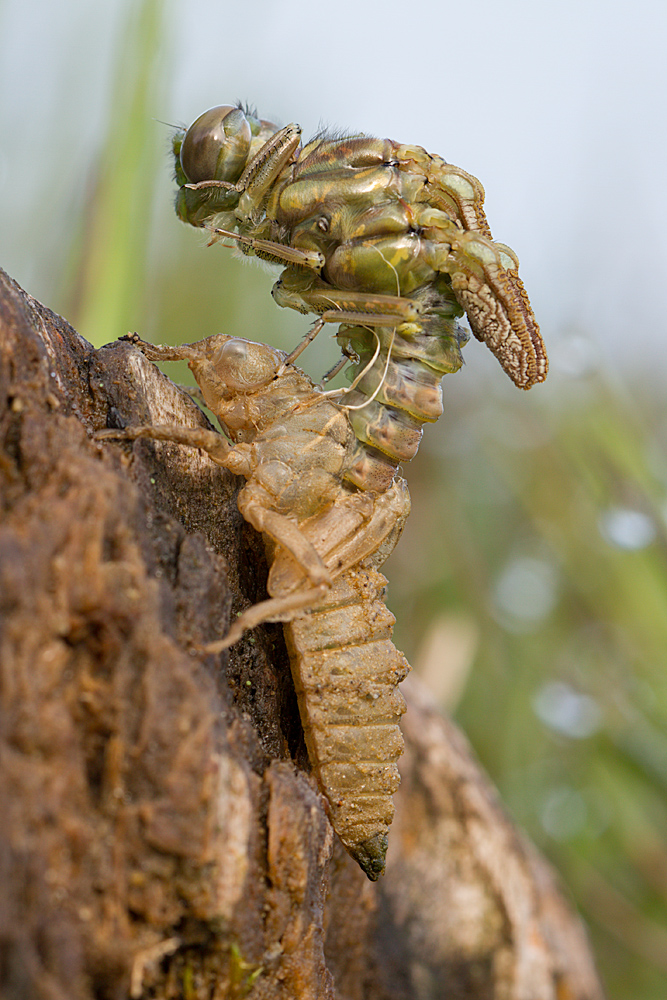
160 834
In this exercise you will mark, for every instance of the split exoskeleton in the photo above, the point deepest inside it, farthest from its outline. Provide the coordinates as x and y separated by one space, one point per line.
326 540
381 237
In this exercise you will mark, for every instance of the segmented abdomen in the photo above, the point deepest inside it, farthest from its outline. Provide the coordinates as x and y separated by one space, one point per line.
346 671
399 392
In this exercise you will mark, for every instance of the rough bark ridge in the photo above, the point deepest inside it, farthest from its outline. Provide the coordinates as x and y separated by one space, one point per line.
160 834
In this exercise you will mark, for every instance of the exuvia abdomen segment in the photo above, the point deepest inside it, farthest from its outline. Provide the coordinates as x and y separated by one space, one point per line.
346 671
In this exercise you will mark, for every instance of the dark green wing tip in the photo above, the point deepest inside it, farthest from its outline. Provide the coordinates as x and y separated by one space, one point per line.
370 856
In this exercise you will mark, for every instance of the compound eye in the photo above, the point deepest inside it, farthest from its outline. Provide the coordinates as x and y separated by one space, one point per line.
216 146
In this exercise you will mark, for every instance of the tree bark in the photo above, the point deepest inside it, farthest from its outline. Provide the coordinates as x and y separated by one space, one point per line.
160 833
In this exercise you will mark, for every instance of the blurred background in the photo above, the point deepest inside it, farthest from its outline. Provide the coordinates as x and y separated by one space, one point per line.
531 583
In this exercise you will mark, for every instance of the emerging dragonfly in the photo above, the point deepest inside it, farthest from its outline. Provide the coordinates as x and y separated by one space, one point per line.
381 237
392 244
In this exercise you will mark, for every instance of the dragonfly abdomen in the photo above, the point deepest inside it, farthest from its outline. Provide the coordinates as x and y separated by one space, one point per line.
399 391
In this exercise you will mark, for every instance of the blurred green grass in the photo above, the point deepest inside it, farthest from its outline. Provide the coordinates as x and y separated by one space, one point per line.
542 520
537 558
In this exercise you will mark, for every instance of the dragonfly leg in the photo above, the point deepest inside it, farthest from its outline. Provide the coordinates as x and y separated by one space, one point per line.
214 444
160 352
255 506
307 293
348 354
355 528
276 609
264 168
269 250
303 344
